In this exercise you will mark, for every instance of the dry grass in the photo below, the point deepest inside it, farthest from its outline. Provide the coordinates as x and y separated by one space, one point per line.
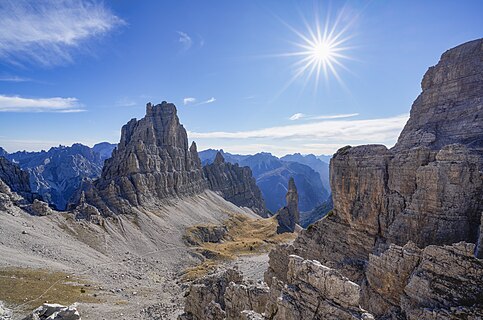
32 287
245 236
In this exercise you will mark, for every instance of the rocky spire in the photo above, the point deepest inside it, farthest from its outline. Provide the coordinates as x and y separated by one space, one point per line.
288 217
219 158
235 184
152 161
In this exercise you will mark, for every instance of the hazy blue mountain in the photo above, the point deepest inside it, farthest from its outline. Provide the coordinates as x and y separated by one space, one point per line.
321 167
104 149
207 156
309 217
272 175
57 173
3 152
325 158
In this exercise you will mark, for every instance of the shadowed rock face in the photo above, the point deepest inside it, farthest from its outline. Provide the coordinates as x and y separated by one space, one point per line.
151 162
288 217
15 178
236 184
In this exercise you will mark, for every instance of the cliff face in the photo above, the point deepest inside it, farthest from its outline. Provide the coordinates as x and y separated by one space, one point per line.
406 223
236 184
14 177
151 162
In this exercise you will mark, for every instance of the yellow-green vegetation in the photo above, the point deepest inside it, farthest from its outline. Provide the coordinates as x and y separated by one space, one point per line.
29 288
244 236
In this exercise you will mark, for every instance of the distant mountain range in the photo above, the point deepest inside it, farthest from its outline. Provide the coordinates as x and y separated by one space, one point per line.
57 173
311 176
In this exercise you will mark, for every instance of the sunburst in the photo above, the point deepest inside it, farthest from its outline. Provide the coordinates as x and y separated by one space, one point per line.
322 50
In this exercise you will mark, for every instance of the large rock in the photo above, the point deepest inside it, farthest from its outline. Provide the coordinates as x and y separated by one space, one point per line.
208 294
152 162
54 312
439 282
288 217
314 291
236 184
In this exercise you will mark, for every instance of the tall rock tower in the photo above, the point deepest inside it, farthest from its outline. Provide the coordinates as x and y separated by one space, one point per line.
152 162
288 217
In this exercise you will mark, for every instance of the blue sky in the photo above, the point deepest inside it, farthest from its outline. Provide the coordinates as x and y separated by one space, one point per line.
76 71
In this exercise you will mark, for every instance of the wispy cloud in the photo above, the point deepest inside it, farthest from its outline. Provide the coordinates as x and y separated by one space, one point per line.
185 40
210 100
48 32
192 101
14 79
317 137
56 104
298 116
189 100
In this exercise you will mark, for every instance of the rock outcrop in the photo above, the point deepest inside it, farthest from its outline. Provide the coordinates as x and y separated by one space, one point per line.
54 312
427 190
406 223
235 184
16 179
288 217
152 162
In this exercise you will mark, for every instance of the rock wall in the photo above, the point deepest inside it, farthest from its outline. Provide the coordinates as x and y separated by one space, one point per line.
406 223
236 184
153 161
15 178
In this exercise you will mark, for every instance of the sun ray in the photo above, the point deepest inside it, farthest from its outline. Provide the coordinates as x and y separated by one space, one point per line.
323 46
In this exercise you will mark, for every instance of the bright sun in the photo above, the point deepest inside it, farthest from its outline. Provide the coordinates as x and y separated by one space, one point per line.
322 49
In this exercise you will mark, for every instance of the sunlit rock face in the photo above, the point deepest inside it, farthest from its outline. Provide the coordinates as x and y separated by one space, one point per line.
153 161
235 184
428 188
426 191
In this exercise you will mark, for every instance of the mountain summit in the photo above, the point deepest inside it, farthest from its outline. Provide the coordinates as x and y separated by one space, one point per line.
153 161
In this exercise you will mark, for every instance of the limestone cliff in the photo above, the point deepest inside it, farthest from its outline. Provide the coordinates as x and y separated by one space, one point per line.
236 184
153 161
427 189
406 223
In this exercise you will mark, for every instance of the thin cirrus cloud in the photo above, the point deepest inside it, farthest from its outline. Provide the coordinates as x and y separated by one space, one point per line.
48 32
192 101
299 116
185 40
13 79
55 104
189 100
330 132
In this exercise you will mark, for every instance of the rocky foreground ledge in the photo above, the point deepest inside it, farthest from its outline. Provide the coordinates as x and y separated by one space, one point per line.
405 238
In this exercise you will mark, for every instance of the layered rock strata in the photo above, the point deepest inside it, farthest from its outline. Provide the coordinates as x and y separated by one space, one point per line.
427 189
406 223
153 161
288 217
311 291
235 184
